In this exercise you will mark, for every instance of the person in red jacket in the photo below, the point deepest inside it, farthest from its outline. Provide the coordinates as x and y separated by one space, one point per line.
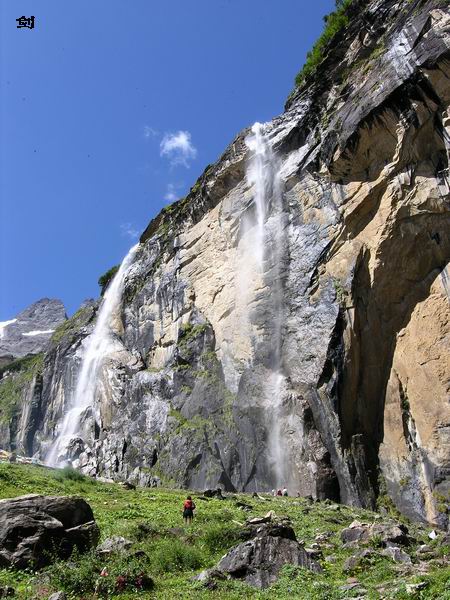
188 510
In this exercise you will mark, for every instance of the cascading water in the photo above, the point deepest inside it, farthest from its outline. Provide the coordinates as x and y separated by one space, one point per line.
98 345
268 222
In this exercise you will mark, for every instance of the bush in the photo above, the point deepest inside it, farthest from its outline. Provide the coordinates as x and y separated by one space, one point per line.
69 473
107 277
334 22
173 555
220 537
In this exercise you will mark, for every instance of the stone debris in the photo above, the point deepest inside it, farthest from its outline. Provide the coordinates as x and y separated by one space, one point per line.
114 545
413 588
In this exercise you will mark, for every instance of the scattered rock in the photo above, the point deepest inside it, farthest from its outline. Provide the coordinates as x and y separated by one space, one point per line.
128 485
7 591
114 545
356 560
214 494
354 534
34 529
259 520
425 552
432 535
390 532
413 588
256 495
244 506
384 532
397 555
352 586
323 537
209 578
314 553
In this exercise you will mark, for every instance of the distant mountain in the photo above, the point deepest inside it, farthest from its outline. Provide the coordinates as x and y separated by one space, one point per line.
30 331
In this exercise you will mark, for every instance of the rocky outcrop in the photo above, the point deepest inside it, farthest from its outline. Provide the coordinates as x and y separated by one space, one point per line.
322 359
259 560
35 530
30 331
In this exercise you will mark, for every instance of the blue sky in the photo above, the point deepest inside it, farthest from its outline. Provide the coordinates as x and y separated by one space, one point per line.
111 109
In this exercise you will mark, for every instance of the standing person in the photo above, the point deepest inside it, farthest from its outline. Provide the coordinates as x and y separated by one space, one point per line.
188 510
285 492
279 493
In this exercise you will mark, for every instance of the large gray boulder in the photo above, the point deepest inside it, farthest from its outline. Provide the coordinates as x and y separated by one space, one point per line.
35 530
258 561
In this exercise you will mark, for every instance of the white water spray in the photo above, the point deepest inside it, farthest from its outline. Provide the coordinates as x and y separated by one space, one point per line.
263 178
98 345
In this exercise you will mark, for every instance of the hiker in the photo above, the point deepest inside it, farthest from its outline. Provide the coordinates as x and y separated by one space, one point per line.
285 492
279 493
188 510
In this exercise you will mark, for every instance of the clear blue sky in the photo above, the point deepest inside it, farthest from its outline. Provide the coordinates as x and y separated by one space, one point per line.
92 100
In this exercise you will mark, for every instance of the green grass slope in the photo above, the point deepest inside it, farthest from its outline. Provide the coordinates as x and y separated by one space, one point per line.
173 554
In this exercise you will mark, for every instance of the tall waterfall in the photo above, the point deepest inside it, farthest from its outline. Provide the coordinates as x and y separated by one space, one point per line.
98 345
263 178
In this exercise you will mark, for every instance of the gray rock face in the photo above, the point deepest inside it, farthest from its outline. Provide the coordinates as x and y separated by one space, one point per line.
30 331
327 359
36 529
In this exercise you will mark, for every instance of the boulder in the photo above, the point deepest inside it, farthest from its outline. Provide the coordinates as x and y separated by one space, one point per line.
58 596
214 494
414 588
395 533
397 555
34 530
258 561
114 545
357 560
209 577
385 533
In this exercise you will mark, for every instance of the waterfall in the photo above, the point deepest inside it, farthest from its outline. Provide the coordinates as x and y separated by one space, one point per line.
101 342
263 178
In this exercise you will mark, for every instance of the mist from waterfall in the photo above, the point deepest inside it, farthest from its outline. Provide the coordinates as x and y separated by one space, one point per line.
101 342
267 246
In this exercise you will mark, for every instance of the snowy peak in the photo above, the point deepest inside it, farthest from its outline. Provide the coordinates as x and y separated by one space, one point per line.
30 331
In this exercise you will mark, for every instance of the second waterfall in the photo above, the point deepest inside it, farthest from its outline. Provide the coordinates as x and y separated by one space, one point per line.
268 224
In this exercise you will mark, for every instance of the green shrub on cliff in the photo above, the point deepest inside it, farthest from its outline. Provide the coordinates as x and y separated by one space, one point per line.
105 279
334 22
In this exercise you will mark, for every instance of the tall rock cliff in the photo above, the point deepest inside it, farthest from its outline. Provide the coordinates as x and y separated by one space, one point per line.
288 321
